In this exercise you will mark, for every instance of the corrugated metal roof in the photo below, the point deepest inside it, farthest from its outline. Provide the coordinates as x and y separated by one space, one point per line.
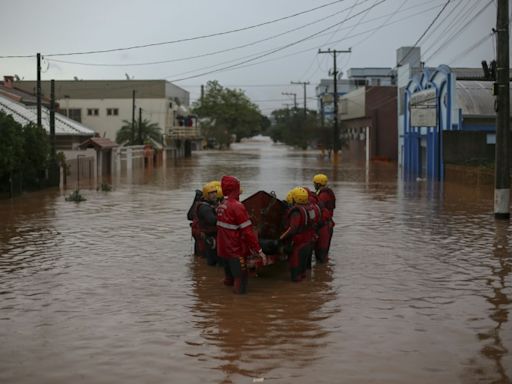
24 115
475 98
98 142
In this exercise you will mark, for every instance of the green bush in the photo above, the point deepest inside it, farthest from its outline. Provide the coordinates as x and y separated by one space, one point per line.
24 155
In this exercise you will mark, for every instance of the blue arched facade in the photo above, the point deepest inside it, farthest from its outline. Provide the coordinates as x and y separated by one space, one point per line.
423 146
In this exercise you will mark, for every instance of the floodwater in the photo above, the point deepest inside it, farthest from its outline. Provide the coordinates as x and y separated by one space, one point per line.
418 288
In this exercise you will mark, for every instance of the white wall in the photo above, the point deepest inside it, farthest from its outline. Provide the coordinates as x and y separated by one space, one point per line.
154 110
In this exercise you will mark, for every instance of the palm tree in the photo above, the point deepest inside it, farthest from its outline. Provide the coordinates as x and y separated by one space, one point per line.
147 130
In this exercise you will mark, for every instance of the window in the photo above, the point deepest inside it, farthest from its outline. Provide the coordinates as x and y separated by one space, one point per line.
92 111
75 114
112 111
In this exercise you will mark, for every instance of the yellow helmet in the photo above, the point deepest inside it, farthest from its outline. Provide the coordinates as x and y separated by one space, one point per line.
219 189
209 188
289 197
300 195
320 179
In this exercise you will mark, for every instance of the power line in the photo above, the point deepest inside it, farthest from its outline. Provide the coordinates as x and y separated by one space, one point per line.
186 39
468 22
451 24
270 52
472 48
311 48
209 53
424 33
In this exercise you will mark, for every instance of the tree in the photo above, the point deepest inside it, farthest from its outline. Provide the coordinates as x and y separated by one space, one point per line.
292 128
148 130
36 148
24 155
227 114
11 150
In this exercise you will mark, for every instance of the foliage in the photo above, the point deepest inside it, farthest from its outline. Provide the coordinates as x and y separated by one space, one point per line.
227 114
36 148
105 187
145 133
24 155
294 128
11 146
76 197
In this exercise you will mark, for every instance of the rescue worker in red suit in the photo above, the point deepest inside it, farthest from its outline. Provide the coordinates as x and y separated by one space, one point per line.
327 203
205 219
315 215
300 232
236 239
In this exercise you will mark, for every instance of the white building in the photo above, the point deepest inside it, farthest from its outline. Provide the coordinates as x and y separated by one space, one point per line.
105 105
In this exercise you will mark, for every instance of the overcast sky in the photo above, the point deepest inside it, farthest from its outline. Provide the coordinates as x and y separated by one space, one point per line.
257 46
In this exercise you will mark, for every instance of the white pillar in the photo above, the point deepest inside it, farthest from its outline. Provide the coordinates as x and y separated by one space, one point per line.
129 160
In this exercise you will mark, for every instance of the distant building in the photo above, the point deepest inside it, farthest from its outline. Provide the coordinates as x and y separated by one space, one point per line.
369 123
68 133
447 120
356 77
408 65
105 105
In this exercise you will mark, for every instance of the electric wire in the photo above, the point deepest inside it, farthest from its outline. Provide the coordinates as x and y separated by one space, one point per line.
267 53
447 33
461 29
183 39
391 15
209 53
424 32
328 40
462 14
319 46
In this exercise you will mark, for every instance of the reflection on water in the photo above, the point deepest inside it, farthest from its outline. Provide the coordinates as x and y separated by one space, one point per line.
276 328
495 347
418 288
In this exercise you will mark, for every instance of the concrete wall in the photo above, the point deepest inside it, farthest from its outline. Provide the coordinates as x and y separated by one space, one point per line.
372 111
381 106
155 110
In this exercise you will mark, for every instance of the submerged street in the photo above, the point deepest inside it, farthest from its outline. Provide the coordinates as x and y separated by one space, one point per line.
418 287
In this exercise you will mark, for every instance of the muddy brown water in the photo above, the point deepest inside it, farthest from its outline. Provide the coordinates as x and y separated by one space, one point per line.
418 288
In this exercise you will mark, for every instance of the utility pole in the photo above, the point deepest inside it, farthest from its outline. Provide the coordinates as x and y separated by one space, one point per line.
294 98
304 83
140 126
336 133
202 94
322 113
133 117
502 93
53 172
52 118
38 91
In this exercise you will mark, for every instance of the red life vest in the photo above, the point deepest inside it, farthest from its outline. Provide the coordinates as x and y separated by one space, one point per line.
327 200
